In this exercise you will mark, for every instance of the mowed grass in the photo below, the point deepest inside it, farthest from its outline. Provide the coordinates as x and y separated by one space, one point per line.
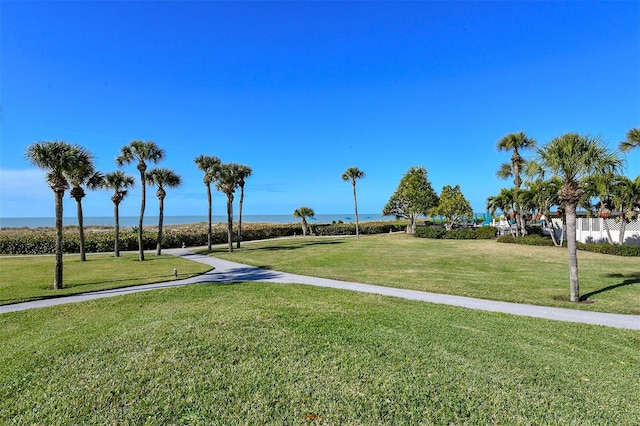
484 269
256 353
24 278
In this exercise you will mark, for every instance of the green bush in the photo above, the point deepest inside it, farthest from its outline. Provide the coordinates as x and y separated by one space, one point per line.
436 232
606 248
603 248
530 240
103 241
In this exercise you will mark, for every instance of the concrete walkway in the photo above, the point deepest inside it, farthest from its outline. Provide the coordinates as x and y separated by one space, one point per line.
226 271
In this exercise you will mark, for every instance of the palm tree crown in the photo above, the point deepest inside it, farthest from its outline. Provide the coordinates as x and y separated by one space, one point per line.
632 142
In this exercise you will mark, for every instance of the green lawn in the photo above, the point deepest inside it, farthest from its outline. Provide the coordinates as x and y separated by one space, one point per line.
25 278
255 353
484 269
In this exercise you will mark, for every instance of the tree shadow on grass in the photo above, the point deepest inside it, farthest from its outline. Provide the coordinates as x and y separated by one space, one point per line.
627 279
296 246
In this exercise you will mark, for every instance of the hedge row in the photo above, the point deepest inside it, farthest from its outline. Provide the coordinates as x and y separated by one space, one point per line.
482 233
603 248
103 241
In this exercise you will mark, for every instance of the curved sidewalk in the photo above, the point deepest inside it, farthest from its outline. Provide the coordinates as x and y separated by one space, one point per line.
226 271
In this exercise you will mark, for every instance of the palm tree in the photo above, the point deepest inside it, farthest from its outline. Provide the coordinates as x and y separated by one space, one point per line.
84 175
544 195
209 165
572 158
625 197
162 178
141 152
352 174
243 173
227 183
58 158
303 213
632 142
515 142
120 182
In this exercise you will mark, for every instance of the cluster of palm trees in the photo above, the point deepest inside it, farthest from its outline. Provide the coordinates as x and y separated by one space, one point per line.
569 172
227 177
72 166
352 174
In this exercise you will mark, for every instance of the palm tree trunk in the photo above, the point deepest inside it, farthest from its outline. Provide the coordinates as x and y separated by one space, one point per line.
574 285
140 219
83 256
240 217
355 204
230 222
209 216
57 280
305 227
116 244
160 219
623 228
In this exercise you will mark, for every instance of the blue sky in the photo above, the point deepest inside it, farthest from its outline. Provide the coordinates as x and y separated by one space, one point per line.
300 91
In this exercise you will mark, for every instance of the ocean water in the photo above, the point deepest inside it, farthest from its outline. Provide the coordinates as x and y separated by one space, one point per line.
125 221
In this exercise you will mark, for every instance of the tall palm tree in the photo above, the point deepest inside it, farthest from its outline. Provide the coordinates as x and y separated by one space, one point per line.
227 183
57 158
352 174
209 165
162 178
303 213
632 142
84 175
572 158
141 152
243 173
120 182
515 142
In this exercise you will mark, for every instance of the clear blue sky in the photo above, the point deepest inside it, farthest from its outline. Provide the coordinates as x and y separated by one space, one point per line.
300 91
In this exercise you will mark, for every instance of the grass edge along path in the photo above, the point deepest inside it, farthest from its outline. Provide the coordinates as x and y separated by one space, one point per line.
249 353
472 268
29 278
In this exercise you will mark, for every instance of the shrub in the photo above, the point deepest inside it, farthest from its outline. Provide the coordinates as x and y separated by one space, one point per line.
603 248
436 232
191 236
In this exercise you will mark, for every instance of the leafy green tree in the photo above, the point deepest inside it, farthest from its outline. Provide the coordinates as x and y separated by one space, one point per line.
572 158
210 166
413 197
243 173
140 152
352 174
162 178
58 159
228 181
453 206
303 213
120 183
515 142
84 175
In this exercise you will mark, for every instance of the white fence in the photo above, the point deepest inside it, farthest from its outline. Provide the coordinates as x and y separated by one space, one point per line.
594 230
